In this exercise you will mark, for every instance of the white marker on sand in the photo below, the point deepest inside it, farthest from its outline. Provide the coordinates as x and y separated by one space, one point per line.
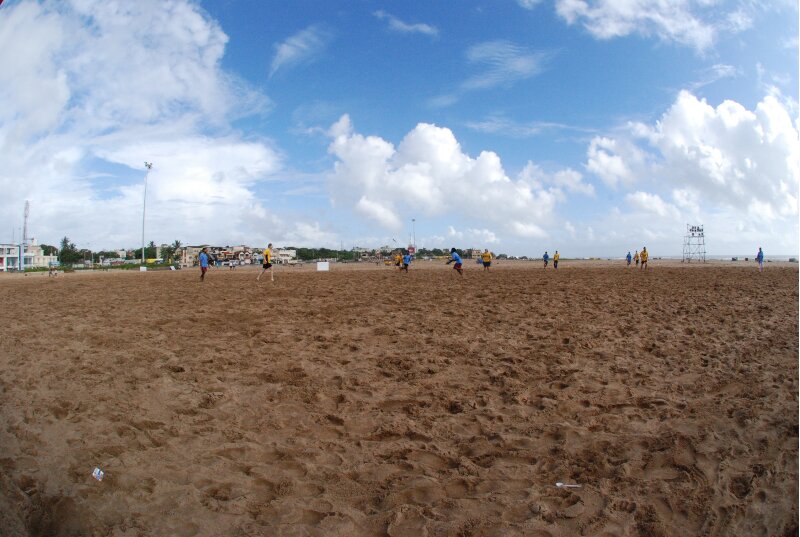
566 486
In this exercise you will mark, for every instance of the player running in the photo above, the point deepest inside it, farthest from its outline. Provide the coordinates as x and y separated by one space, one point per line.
644 255
486 258
406 262
267 266
556 257
545 258
457 258
636 258
628 258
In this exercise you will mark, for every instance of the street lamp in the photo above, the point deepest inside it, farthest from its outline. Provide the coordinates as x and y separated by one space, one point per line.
414 231
149 166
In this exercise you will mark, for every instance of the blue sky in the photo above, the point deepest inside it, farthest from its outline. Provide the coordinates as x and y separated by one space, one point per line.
589 127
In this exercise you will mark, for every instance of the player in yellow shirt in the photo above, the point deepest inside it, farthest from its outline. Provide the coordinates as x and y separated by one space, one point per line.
644 255
267 263
486 257
398 260
636 258
556 257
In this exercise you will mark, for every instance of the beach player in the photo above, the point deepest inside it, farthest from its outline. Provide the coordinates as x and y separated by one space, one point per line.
457 258
406 262
760 259
486 258
545 258
398 260
643 256
267 266
556 257
628 258
203 263
636 258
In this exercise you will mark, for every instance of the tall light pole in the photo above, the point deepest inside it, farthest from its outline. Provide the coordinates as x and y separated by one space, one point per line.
414 231
149 166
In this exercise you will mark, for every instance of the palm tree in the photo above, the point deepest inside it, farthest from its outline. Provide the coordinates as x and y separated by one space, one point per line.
175 248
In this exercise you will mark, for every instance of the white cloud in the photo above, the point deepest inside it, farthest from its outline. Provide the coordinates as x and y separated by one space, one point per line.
473 236
652 203
528 4
688 201
301 47
615 161
403 27
694 23
505 63
429 173
567 179
714 73
502 63
515 129
730 155
96 91
380 213
733 169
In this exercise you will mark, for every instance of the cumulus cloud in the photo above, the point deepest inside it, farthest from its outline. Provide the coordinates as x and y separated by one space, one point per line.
651 203
299 48
615 161
397 25
429 173
693 23
97 90
566 179
730 155
737 168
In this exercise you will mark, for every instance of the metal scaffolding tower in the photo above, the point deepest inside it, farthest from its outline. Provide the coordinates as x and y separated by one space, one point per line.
694 244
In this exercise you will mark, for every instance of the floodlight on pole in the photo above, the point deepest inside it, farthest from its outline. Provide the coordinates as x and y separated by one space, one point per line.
414 232
149 166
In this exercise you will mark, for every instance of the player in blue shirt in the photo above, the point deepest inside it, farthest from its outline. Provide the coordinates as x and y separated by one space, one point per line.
406 262
760 259
545 258
203 263
628 258
457 258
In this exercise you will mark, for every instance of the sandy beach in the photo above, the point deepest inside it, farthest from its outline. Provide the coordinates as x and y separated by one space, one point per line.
367 402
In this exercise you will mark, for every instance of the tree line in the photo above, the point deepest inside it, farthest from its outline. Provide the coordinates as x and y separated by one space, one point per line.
69 253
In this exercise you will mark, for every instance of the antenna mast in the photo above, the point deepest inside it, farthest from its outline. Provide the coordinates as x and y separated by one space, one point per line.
25 225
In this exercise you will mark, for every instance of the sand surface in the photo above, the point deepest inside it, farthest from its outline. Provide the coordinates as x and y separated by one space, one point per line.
367 402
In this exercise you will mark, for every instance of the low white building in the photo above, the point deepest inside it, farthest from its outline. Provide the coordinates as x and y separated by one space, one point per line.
10 257
32 257
285 257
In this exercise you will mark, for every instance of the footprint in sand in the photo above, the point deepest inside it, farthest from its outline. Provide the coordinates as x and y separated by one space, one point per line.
407 521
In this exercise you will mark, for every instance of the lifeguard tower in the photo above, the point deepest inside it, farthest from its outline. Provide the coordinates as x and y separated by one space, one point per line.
694 244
